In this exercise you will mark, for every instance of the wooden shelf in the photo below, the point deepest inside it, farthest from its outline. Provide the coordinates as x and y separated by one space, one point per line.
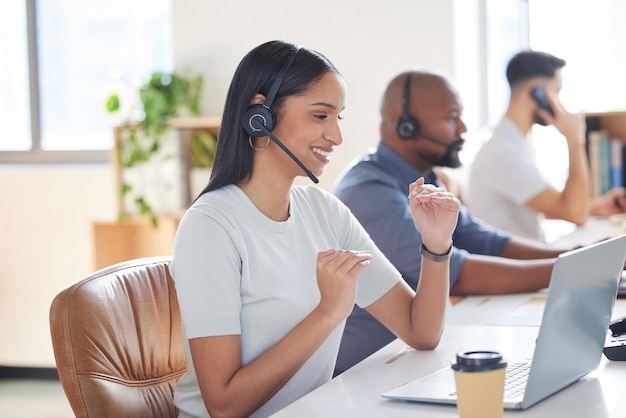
603 151
612 122
211 124
185 127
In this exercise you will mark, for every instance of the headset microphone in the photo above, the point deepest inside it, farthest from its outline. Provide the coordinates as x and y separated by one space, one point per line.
456 145
262 128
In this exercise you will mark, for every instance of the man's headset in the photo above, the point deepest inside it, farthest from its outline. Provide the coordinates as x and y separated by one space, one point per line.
408 127
260 120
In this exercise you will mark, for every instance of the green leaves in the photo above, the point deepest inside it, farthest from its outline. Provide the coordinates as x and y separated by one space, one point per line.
146 209
168 94
112 103
203 147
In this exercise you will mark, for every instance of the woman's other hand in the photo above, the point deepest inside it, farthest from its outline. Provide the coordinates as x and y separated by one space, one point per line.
435 214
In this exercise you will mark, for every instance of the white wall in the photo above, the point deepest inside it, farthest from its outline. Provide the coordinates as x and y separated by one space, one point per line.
45 227
369 41
45 242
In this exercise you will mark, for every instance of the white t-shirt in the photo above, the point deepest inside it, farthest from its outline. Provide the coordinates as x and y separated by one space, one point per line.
239 272
504 176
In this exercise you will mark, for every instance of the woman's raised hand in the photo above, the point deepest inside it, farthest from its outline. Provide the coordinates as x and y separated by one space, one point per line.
337 275
435 214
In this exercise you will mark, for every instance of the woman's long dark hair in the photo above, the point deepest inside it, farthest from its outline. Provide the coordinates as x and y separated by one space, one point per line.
255 74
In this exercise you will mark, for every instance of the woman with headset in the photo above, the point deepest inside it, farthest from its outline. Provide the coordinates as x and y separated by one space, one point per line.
266 272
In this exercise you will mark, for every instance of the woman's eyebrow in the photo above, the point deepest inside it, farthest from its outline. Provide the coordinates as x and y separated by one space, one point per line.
328 105
324 104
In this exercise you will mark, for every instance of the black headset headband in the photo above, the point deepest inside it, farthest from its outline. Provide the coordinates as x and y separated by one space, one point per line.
271 95
405 95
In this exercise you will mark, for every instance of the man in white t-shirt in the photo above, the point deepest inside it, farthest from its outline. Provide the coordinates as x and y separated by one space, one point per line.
506 188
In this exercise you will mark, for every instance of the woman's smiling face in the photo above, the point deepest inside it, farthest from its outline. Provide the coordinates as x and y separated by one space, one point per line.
308 124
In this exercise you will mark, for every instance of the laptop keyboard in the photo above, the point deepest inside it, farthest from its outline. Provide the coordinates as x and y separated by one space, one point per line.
515 378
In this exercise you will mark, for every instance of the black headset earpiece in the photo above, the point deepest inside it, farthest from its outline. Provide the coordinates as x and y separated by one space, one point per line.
263 113
258 113
407 127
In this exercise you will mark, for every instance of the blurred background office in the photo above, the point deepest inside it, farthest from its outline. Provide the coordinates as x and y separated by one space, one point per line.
63 57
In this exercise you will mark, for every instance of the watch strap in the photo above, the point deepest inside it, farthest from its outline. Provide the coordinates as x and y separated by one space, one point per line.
435 257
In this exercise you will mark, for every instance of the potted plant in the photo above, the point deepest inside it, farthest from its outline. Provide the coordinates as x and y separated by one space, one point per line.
140 141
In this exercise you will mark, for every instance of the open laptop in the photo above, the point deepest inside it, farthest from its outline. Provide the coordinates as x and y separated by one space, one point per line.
571 337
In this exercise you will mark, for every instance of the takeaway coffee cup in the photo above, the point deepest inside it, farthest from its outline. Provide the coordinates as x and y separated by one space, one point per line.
479 379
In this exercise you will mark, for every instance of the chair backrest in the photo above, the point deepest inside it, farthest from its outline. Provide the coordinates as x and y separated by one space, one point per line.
117 341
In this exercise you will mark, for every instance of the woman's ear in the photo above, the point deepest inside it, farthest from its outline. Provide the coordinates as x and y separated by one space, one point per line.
257 99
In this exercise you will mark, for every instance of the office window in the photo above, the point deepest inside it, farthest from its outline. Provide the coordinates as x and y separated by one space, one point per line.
75 52
14 91
506 33
589 36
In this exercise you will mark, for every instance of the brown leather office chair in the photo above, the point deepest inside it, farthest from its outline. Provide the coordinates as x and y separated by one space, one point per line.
117 341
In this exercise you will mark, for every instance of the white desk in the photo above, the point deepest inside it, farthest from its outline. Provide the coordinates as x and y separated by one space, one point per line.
357 392
559 235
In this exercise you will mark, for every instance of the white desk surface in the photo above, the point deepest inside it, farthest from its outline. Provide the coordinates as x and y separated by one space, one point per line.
357 392
561 234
